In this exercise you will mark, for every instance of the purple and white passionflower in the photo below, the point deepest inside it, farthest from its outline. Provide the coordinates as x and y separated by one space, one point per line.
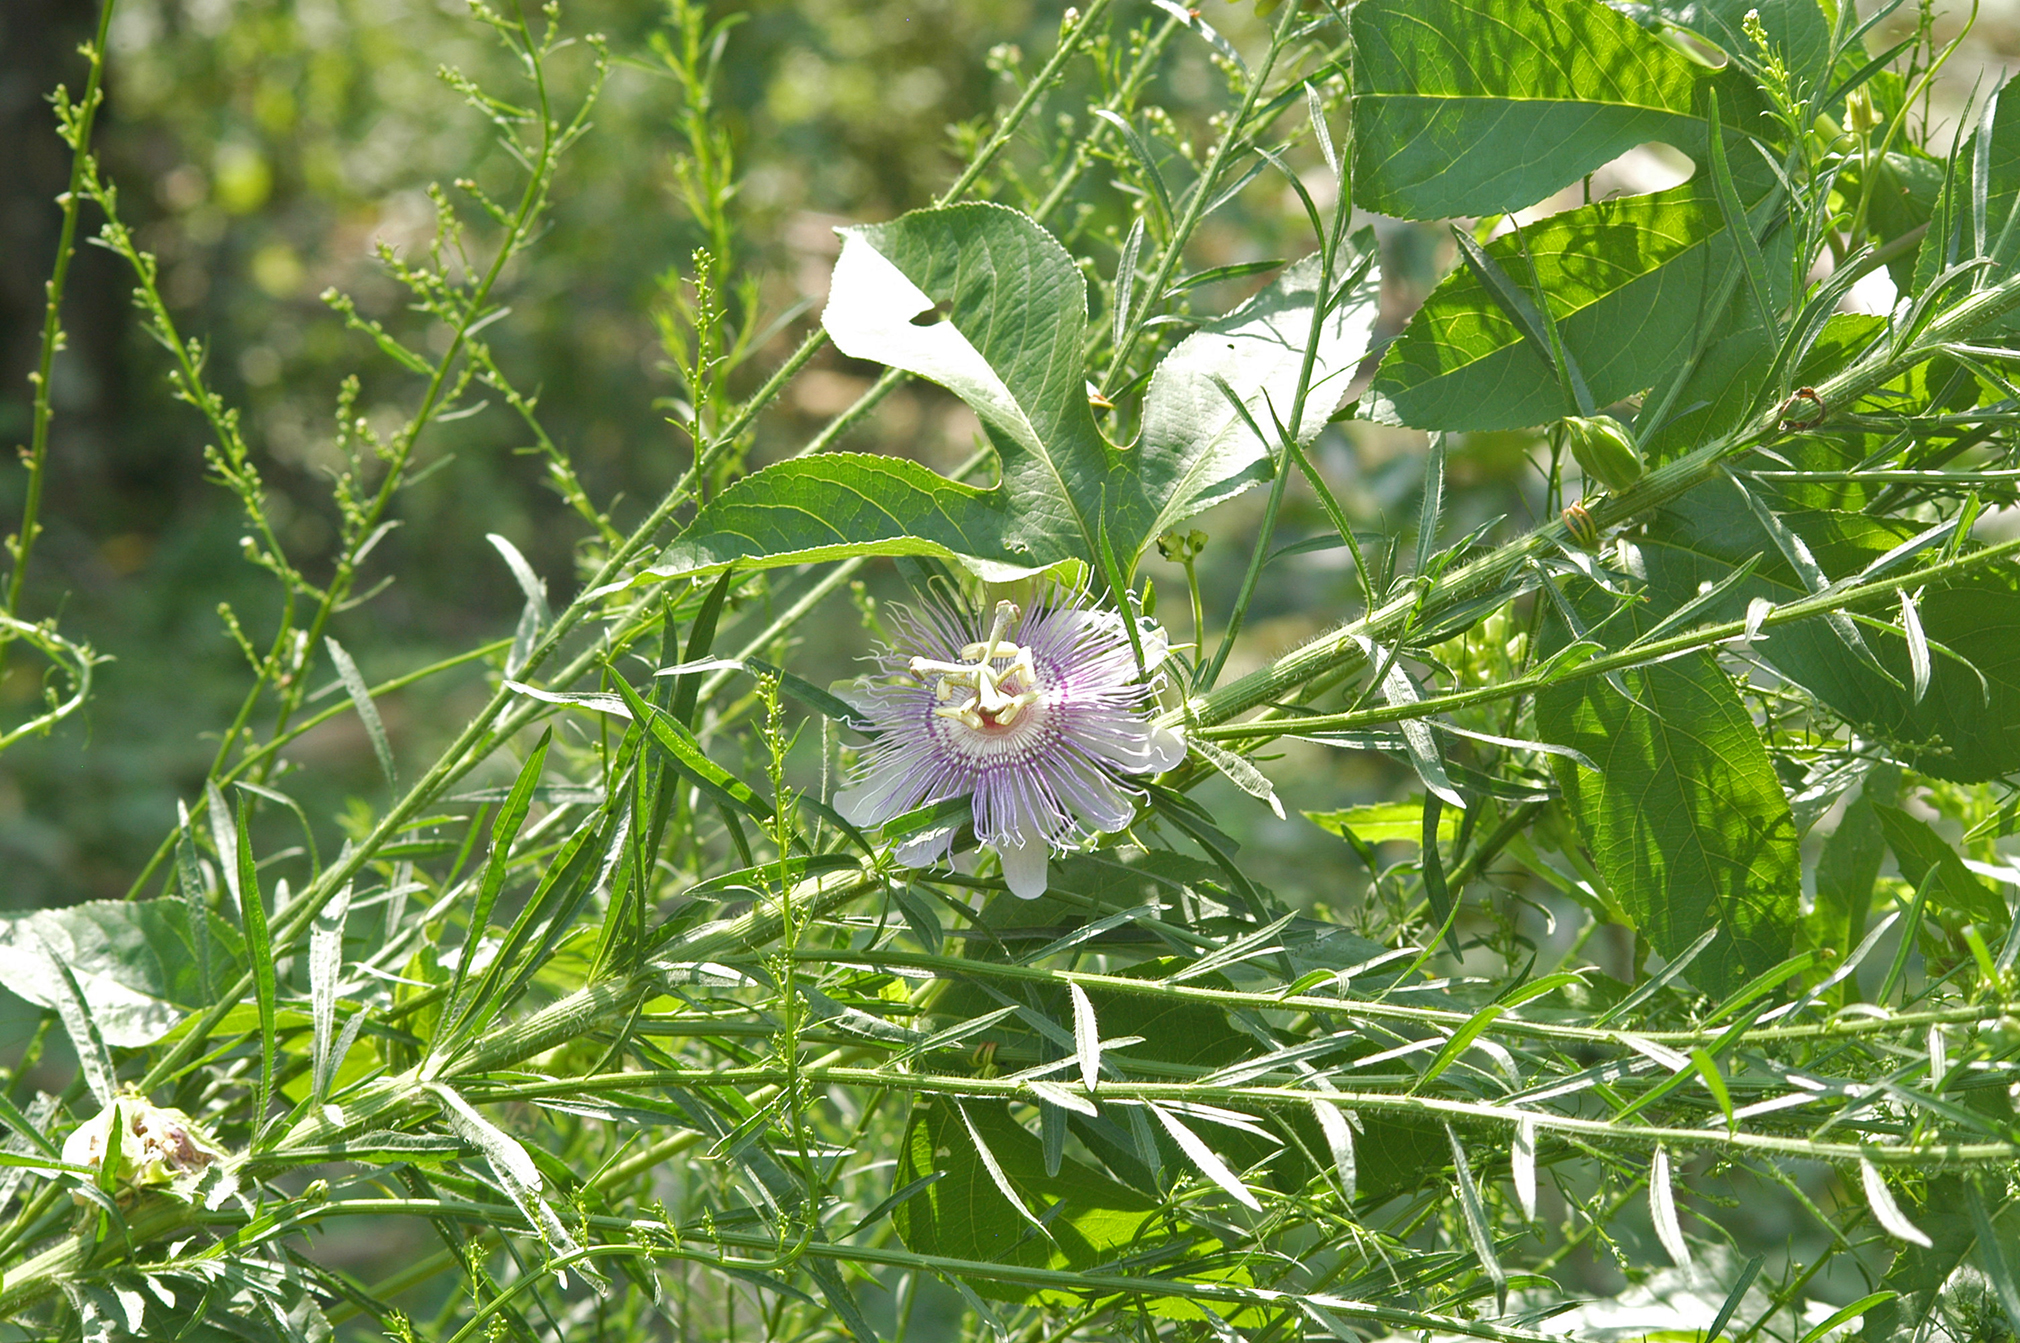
1038 721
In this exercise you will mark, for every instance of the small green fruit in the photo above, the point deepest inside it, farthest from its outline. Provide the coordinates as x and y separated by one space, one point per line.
1604 449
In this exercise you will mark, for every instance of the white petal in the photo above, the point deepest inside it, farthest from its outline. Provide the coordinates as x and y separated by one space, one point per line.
858 807
1167 750
856 694
925 848
893 782
1024 866
1156 644
1094 795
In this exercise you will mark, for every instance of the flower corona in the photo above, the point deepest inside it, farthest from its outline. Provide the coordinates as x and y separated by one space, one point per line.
1037 719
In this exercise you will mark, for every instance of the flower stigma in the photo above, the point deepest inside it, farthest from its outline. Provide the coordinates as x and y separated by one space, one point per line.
987 704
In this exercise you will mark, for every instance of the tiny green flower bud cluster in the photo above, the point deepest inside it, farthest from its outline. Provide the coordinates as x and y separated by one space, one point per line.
1181 549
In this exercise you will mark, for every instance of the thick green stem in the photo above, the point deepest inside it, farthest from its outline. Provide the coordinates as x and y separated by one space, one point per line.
1662 484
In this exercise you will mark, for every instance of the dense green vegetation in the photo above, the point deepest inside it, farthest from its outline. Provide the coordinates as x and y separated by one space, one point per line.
888 671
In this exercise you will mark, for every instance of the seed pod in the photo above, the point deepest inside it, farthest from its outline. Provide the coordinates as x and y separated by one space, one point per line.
1604 449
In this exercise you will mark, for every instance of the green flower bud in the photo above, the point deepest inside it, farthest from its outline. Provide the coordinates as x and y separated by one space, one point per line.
1861 116
1604 449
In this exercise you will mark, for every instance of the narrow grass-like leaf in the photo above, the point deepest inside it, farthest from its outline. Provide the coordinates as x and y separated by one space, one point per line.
94 1061
1824 1327
1086 1037
535 616
530 584
1477 1229
223 839
1320 131
1752 263
326 964
26 1125
1118 585
1662 1209
260 950
1214 274
1885 1211
1991 1252
919 916
1339 1135
995 1170
1704 600
277 796
1205 1158
807 694
510 1162
368 712
895 1201
1052 1135
1981 176
1457 1045
1714 1082
828 1277
1207 33
195 896
1659 981
1239 772
1734 1297
684 753
1059 1098
1918 645
1533 320
1433 505
954 1035
1159 194
1797 552
1399 690
1911 932
1431 861
561 891
1125 282
1522 1166
1763 984
700 639
503 831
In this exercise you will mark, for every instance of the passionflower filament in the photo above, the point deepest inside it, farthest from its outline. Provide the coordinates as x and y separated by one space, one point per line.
1039 719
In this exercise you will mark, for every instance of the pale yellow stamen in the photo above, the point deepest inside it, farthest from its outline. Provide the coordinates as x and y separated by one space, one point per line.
972 691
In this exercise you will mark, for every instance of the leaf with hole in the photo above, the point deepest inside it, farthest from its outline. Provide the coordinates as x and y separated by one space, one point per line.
983 301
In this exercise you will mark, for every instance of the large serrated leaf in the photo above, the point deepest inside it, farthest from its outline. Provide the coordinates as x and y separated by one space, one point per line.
983 301
1955 731
1686 820
1473 107
1630 284
1089 1218
1197 449
1918 849
134 962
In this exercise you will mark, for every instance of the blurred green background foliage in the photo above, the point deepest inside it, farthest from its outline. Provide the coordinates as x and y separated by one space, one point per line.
264 148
